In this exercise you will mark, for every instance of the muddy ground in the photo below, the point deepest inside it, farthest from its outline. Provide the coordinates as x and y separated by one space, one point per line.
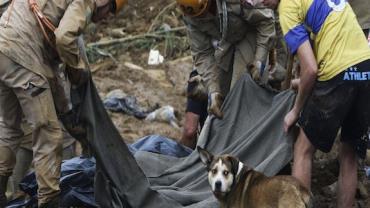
128 70
124 66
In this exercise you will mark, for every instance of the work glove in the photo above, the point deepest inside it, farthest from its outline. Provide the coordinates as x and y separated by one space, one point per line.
76 130
77 77
276 75
72 125
71 121
256 70
196 89
215 101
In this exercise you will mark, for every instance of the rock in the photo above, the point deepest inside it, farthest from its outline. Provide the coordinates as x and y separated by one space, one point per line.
118 93
132 66
118 33
361 191
178 72
159 76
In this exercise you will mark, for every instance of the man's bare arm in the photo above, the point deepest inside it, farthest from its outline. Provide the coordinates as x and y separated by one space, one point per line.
308 77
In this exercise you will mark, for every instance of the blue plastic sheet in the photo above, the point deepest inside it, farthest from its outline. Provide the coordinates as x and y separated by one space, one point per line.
76 183
161 145
77 174
118 101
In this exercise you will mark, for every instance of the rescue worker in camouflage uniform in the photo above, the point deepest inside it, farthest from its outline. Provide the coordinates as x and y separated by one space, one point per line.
27 78
24 158
278 72
362 11
222 57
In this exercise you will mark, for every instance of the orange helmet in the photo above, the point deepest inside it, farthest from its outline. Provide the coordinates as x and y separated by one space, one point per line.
193 7
118 5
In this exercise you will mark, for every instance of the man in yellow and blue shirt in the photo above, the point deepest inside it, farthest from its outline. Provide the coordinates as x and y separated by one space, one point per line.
334 89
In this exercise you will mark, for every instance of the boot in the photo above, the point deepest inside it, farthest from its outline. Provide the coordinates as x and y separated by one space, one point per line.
54 203
3 186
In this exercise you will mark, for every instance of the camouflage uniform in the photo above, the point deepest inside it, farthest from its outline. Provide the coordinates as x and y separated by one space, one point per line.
24 156
362 11
281 47
278 74
26 80
250 36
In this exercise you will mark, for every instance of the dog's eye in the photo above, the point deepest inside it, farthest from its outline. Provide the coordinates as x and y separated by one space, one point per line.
226 173
214 171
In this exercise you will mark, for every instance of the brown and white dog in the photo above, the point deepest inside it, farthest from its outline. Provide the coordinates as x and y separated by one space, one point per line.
238 186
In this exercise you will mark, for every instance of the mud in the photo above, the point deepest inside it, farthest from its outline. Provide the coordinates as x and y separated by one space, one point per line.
165 84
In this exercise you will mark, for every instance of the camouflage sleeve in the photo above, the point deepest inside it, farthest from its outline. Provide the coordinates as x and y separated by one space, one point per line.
361 9
3 6
281 47
203 52
71 26
264 22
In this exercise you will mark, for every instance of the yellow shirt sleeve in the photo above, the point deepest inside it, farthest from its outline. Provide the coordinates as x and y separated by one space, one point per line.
291 16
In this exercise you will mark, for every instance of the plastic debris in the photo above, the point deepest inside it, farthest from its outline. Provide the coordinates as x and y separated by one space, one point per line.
118 101
160 145
155 57
164 114
77 177
76 183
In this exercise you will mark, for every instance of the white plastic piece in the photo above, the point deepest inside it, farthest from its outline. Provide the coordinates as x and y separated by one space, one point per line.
367 170
164 114
155 57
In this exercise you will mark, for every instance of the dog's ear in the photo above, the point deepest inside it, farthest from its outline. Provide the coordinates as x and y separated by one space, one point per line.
234 165
205 156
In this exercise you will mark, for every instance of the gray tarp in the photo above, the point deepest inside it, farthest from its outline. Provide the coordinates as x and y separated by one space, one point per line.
252 129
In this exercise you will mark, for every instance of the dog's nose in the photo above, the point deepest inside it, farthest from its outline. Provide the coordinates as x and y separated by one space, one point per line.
218 185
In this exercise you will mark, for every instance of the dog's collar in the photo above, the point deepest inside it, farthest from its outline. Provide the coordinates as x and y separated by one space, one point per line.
240 175
240 167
